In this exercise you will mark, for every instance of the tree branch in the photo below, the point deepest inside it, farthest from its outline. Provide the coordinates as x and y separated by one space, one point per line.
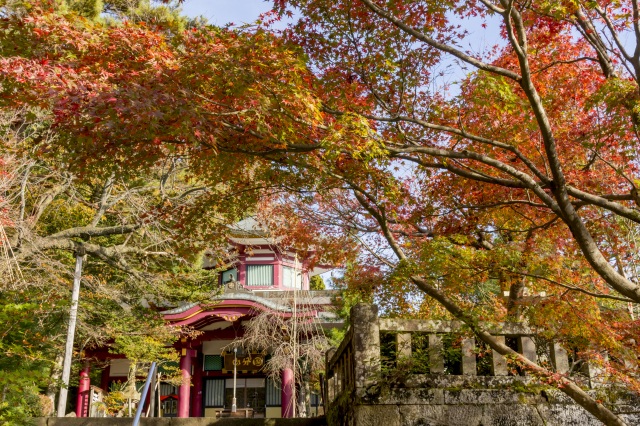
440 46
572 288
92 231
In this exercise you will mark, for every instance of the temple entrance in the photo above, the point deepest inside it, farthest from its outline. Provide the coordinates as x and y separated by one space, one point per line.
250 394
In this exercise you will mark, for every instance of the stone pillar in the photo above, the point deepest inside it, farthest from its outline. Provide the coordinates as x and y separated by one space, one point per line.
403 342
366 344
184 393
527 347
559 358
196 398
596 372
330 391
498 362
286 409
84 392
469 357
436 354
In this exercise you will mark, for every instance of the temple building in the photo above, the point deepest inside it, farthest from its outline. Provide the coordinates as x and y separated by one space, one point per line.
260 277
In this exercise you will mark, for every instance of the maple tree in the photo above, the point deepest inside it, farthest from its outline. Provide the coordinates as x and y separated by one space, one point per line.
132 262
124 224
527 178
523 180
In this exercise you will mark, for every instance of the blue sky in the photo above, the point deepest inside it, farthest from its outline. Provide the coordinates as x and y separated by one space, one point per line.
220 12
238 12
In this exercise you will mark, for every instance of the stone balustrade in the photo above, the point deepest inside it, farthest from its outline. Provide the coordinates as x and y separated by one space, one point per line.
435 330
482 388
356 363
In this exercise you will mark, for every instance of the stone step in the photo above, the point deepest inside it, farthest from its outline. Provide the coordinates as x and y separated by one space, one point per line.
127 421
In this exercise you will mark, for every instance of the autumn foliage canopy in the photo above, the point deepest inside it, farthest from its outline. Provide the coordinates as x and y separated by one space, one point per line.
495 185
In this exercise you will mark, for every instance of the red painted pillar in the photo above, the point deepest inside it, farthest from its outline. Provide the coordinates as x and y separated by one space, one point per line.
184 393
104 380
277 271
242 269
196 401
84 390
287 393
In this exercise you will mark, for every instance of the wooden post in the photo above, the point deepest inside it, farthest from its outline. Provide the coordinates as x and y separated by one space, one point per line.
105 378
330 391
184 394
286 410
152 394
349 363
84 392
196 396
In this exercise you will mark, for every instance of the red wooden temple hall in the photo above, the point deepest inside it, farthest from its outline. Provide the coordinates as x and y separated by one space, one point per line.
260 278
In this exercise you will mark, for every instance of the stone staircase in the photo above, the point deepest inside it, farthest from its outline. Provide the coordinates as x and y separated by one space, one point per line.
74 421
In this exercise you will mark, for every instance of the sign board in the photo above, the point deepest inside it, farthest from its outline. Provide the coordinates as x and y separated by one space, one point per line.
252 363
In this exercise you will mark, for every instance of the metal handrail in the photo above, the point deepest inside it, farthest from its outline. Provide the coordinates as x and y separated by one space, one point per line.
143 397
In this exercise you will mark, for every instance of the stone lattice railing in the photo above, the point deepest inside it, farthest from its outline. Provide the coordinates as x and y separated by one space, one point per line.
356 363
395 372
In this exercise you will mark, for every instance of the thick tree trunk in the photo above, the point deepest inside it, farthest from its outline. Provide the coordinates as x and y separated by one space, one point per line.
306 401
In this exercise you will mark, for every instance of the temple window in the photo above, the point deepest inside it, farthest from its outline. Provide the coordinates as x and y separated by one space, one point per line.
259 275
291 277
273 394
213 363
214 393
229 275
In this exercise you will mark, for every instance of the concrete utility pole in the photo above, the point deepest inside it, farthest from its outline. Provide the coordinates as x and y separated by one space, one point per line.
235 362
71 331
295 332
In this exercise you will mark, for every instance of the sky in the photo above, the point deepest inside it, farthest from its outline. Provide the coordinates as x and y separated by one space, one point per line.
238 12
221 12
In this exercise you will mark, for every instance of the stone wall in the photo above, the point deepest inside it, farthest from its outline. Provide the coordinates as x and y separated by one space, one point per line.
470 407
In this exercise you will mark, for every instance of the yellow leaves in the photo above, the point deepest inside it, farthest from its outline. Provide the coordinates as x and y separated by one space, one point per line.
62 214
497 92
616 92
559 9
352 134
